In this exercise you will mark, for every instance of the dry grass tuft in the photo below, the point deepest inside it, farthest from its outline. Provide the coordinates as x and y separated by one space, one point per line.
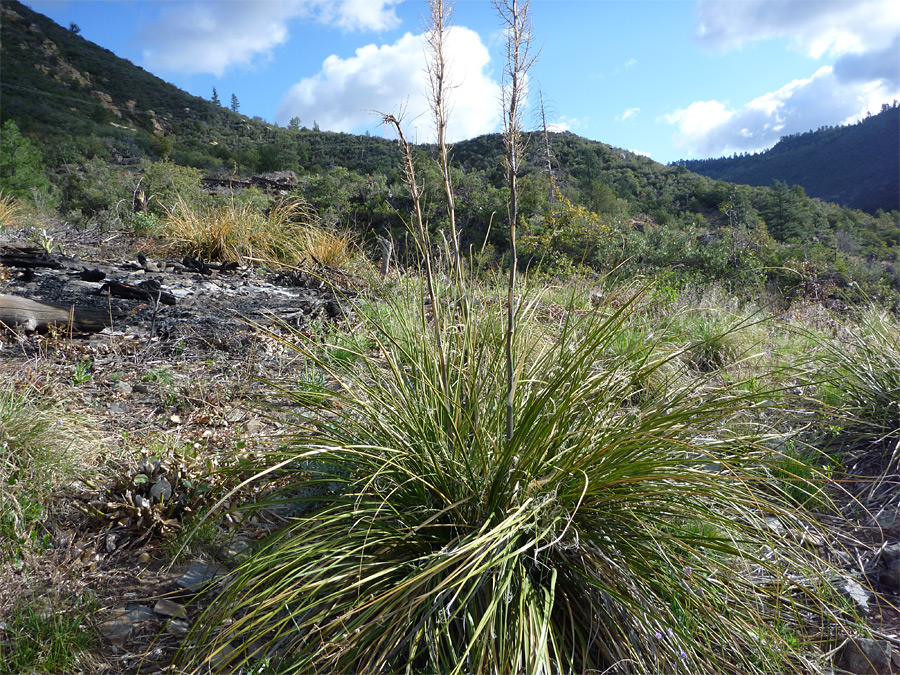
10 210
290 234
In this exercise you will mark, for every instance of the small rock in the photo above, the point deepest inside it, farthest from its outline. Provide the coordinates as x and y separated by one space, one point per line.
144 558
863 656
891 554
855 591
890 578
221 657
165 607
200 574
886 517
138 613
775 526
141 388
178 627
117 629
117 408
236 549
122 387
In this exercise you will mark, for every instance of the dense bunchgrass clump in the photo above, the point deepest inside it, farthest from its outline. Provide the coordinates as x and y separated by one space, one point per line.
46 635
289 234
861 386
10 210
41 449
611 532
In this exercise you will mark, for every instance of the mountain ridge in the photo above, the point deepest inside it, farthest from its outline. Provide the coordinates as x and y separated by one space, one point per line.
857 165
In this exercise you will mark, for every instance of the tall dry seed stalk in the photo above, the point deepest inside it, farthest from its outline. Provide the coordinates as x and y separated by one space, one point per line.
516 18
437 29
421 235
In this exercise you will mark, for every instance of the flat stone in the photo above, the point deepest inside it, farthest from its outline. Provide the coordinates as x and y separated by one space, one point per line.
886 517
139 613
200 574
236 549
220 657
122 387
117 629
890 554
890 578
855 591
168 608
178 627
863 656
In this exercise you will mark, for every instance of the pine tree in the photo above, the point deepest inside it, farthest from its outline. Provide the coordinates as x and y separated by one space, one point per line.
215 97
235 105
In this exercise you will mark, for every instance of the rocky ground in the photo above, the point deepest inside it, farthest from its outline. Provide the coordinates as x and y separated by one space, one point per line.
171 388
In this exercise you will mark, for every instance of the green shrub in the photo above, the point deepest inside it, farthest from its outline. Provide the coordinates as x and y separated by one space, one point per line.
22 172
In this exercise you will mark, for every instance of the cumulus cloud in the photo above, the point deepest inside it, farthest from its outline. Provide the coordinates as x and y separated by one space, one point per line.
210 36
628 114
860 38
815 27
712 128
883 65
342 96
564 123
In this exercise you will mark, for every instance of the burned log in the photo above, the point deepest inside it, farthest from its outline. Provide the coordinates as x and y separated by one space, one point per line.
28 258
30 315
147 290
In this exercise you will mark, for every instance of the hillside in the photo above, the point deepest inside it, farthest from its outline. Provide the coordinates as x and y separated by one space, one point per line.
855 166
99 128
82 100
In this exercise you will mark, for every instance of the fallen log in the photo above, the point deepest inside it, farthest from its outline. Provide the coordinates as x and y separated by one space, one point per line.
147 290
30 315
28 258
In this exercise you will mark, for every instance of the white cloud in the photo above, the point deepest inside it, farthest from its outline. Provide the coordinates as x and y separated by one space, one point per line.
630 62
210 36
712 128
342 96
815 27
628 114
860 38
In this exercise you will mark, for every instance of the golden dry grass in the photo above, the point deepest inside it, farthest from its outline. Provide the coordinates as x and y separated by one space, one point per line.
290 234
10 210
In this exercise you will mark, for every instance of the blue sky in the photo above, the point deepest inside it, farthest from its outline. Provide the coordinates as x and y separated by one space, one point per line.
668 78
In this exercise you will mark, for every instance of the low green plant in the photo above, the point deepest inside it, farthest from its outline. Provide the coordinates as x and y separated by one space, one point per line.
81 371
45 636
606 532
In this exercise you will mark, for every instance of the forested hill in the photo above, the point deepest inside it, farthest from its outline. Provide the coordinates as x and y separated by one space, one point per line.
857 166
83 128
80 99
